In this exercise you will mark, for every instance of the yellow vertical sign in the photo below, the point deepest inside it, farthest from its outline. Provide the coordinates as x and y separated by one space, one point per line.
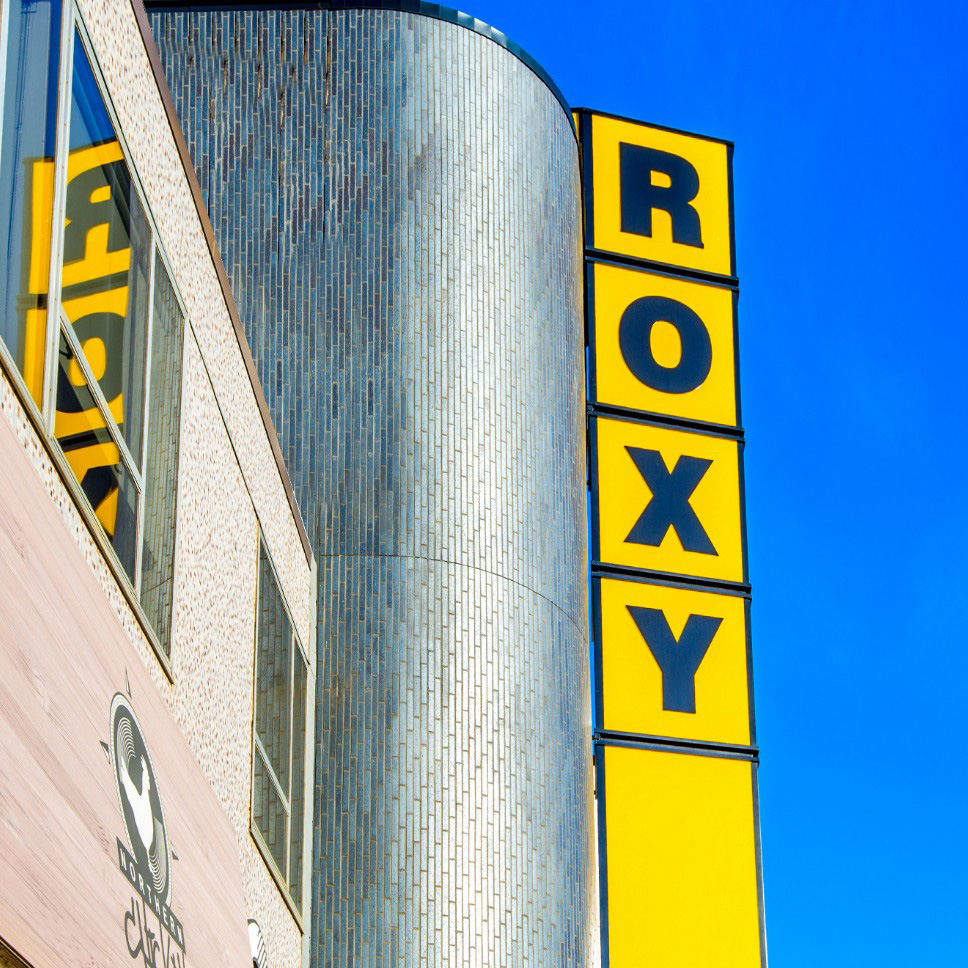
681 860
675 744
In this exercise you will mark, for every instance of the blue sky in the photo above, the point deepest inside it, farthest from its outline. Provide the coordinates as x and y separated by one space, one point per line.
848 120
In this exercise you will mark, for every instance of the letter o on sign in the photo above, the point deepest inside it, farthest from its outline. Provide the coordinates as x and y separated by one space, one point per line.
635 341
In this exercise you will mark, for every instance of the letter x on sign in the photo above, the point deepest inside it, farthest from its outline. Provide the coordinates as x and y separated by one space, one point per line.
670 507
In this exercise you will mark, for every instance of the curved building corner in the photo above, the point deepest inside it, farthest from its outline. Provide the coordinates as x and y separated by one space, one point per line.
396 199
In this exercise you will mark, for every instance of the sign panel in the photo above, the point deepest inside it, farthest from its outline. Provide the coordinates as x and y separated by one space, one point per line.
667 500
659 195
662 344
673 662
681 847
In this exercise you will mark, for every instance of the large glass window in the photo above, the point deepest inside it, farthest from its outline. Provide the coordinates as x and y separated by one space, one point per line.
94 455
278 762
103 298
29 67
161 455
114 317
107 253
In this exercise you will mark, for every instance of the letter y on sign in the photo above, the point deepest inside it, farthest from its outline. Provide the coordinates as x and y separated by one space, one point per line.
678 660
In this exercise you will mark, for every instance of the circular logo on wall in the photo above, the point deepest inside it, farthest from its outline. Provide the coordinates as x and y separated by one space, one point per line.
139 798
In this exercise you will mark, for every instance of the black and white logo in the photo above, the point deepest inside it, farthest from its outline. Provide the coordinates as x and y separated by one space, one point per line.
146 859
139 798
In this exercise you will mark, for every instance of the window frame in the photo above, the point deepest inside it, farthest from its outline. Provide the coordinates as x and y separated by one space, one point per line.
57 325
4 60
297 906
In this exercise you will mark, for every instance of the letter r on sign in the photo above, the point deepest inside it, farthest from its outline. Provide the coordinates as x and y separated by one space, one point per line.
638 166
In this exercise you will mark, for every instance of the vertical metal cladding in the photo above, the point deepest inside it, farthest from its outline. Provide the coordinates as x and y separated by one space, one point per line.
396 199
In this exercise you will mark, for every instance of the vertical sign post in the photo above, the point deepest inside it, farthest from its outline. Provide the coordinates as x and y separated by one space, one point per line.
675 747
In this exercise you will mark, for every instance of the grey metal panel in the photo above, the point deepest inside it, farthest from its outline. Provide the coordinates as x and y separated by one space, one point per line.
396 200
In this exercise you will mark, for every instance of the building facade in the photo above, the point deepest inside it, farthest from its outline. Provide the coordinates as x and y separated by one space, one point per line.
325 698
157 585
396 196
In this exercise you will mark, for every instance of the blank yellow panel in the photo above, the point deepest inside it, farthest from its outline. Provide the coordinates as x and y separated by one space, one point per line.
623 495
706 160
681 861
705 346
633 699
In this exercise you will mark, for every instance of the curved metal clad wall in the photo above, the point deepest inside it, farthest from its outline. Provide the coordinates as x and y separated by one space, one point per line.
396 199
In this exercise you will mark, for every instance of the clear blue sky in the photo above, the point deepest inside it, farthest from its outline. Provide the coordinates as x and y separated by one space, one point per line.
851 153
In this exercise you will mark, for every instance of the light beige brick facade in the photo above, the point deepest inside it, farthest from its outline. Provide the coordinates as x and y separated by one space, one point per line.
232 488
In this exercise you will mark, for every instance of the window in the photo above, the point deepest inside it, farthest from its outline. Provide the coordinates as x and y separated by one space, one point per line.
161 455
28 83
278 760
85 335
103 318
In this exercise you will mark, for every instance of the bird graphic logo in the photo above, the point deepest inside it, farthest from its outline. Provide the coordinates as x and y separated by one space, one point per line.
139 798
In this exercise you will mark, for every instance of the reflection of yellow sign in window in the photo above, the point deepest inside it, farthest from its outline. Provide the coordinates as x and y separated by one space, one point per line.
673 662
96 241
97 258
663 345
668 500
82 431
682 880
38 276
95 296
660 195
